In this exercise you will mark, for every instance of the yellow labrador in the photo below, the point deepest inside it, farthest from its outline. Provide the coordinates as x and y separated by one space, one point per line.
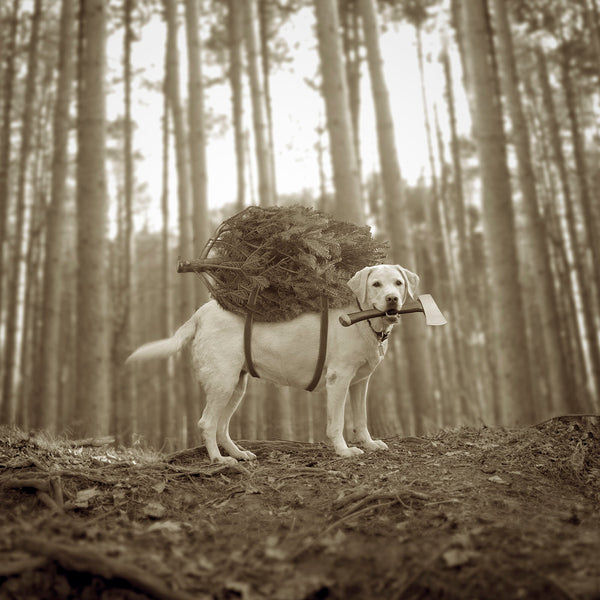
286 353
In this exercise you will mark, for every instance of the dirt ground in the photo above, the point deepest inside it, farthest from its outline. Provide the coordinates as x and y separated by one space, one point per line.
467 513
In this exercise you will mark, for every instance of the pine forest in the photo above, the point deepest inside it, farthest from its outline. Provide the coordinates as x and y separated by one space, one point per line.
162 157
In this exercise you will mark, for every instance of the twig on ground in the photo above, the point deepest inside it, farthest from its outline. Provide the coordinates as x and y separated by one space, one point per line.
41 485
207 470
49 502
186 453
345 500
56 489
93 442
376 496
84 560
16 567
308 471
356 513
567 416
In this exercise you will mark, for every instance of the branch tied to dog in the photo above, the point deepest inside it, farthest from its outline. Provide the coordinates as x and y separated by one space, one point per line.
282 280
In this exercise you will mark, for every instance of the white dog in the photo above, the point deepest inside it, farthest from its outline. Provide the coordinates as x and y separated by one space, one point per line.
286 353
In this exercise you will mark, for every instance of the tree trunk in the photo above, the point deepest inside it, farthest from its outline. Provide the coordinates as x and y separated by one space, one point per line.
235 31
47 382
446 280
265 16
346 177
186 283
545 298
166 394
10 344
402 249
580 279
93 370
266 193
124 399
352 47
592 235
197 140
511 358
556 244
5 141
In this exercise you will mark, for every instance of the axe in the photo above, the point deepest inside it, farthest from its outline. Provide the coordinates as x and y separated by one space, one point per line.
423 303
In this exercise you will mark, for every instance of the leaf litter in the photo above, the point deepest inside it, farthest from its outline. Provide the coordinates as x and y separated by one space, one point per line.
462 513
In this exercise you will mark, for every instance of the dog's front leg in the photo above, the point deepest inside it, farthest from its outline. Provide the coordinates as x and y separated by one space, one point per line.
358 397
337 392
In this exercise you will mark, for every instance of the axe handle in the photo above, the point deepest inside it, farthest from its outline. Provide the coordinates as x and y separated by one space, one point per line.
410 306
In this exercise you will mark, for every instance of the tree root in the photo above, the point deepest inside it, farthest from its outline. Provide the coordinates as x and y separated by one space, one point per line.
84 560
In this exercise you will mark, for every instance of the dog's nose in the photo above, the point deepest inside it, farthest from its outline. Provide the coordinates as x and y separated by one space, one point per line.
391 299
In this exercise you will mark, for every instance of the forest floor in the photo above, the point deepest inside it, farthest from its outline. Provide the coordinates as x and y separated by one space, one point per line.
465 513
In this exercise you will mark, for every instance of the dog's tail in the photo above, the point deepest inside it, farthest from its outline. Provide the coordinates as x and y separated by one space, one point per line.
167 347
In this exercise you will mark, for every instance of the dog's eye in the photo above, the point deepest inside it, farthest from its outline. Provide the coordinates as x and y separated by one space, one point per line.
399 282
376 284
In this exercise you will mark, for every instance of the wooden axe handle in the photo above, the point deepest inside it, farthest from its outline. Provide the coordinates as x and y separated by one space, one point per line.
410 306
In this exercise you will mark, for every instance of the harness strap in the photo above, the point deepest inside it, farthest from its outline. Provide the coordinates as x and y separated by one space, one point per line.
322 344
322 341
248 333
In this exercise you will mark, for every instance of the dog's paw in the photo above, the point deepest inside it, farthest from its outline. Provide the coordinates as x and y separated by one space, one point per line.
374 445
349 452
225 460
245 455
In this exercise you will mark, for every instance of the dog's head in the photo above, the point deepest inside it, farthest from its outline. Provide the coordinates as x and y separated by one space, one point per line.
384 287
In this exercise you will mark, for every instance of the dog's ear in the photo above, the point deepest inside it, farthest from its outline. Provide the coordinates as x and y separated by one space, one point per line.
411 279
358 284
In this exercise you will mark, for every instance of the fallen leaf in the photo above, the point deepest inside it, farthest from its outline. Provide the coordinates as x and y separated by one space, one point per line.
168 526
82 500
456 557
154 510
159 487
497 479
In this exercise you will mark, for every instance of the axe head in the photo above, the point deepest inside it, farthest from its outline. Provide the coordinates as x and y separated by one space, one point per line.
433 315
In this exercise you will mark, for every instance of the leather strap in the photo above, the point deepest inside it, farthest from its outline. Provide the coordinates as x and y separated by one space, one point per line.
248 334
322 344
322 341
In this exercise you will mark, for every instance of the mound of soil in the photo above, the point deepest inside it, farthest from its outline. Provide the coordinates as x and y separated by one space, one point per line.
469 513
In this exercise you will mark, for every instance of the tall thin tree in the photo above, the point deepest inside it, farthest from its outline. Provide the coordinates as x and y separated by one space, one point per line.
510 343
266 192
93 357
402 248
186 283
47 382
124 406
15 270
235 38
538 250
337 107
9 52
197 139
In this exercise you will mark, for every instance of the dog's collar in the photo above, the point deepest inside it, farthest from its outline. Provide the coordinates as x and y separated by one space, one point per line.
380 335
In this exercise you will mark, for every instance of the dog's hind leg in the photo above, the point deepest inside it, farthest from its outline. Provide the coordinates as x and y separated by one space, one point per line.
219 391
223 438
